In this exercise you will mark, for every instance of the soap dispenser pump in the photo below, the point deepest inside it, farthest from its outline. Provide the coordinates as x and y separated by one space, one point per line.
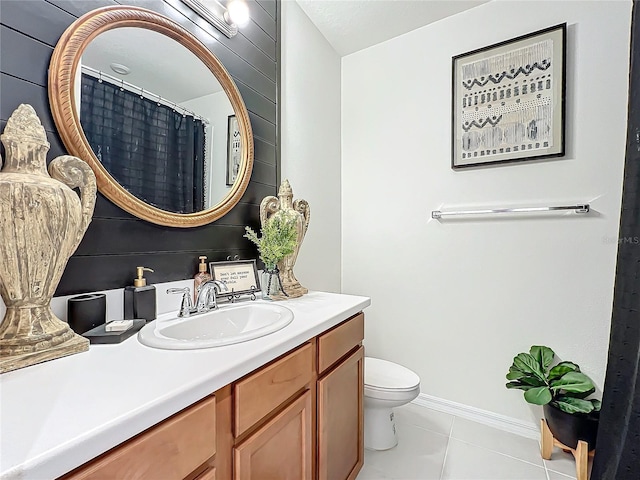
202 275
140 298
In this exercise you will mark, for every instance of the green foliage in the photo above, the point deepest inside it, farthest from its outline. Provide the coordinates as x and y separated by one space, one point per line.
563 385
278 239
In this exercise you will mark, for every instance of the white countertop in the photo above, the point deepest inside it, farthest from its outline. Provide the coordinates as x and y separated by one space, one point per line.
58 415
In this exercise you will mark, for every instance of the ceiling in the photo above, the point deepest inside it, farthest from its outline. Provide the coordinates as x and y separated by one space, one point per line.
158 64
352 25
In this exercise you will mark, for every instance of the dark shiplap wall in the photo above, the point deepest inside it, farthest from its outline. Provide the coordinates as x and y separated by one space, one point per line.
116 242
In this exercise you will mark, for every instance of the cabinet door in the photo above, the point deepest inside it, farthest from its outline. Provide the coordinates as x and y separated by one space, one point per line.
340 420
280 450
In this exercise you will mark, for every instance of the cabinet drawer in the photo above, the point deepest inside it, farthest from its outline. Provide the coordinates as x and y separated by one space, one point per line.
265 390
336 343
171 449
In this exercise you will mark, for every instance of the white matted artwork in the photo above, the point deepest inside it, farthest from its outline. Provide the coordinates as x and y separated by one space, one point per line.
241 276
508 100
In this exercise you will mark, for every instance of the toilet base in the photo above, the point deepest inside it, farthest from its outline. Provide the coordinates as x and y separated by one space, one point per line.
379 428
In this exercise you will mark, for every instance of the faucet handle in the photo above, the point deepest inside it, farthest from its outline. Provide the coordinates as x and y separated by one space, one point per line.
185 306
211 301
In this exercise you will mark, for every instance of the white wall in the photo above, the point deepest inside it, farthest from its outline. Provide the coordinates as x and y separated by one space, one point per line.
216 108
456 300
310 151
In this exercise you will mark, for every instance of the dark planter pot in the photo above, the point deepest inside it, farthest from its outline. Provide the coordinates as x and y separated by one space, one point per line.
569 428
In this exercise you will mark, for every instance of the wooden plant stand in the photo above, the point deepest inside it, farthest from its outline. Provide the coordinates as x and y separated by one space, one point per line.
581 453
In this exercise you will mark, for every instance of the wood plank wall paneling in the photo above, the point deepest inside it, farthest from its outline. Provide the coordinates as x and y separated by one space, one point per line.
116 242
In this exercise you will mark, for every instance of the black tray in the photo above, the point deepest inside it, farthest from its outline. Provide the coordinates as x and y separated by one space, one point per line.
100 335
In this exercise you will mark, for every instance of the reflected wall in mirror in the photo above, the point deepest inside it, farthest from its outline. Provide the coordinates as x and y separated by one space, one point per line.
147 106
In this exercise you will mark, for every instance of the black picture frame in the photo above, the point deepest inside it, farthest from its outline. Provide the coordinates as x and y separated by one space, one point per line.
508 100
234 149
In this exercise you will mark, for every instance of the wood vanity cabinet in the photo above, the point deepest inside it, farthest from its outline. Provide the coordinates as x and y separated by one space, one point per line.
340 406
273 421
173 449
300 417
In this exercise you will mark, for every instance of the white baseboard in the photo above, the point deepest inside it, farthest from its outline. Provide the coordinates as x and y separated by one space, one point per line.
501 422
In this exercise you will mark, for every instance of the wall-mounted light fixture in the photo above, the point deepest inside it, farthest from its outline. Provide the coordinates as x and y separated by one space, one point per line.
226 19
238 13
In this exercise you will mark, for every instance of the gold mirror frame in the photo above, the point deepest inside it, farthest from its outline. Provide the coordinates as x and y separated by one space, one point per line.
62 73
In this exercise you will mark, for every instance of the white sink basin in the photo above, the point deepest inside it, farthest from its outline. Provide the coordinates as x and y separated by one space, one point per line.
224 326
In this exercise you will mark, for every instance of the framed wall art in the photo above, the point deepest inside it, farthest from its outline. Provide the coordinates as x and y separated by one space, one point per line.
241 276
234 149
508 100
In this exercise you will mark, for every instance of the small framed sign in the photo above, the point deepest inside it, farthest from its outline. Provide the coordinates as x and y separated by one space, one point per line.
241 276
509 100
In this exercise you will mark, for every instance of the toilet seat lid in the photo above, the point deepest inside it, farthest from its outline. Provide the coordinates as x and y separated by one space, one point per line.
382 374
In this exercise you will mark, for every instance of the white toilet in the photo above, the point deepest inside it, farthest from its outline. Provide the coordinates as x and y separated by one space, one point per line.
386 385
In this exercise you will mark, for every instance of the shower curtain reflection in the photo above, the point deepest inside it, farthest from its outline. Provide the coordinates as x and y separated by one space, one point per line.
154 152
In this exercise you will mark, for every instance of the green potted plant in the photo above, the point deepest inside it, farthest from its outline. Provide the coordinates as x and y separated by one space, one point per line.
562 390
278 239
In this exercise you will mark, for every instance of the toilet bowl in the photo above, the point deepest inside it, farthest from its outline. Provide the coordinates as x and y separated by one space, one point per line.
386 385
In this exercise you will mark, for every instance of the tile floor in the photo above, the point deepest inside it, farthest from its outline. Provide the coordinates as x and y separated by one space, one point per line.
437 446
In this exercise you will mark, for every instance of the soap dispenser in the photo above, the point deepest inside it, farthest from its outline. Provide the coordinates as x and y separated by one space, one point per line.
140 298
202 275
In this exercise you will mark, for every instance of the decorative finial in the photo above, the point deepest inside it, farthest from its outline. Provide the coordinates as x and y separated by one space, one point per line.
285 189
24 126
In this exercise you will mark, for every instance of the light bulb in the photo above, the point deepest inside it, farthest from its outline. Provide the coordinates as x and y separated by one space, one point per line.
238 13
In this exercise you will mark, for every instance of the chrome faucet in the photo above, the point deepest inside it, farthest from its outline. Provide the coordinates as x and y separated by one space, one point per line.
207 295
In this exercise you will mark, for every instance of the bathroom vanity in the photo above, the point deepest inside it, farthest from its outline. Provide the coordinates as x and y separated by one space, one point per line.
288 405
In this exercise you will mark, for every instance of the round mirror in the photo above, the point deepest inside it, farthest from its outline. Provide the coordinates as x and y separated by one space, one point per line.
154 113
